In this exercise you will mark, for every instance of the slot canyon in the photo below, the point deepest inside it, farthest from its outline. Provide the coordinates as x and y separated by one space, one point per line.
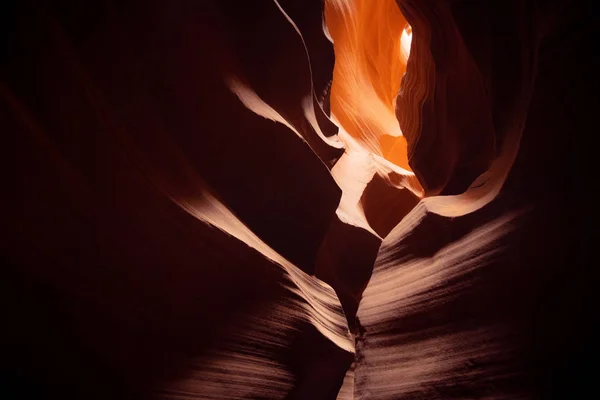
298 199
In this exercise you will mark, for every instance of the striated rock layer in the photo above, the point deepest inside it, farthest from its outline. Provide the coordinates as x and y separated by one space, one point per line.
187 214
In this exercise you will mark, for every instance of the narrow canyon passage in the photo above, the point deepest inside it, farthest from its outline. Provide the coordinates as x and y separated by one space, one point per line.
318 199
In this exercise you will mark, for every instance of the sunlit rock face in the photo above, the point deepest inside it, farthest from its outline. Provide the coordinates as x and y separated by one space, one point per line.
368 70
273 200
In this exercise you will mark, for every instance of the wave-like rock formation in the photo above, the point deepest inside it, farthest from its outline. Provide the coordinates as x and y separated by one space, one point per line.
308 200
